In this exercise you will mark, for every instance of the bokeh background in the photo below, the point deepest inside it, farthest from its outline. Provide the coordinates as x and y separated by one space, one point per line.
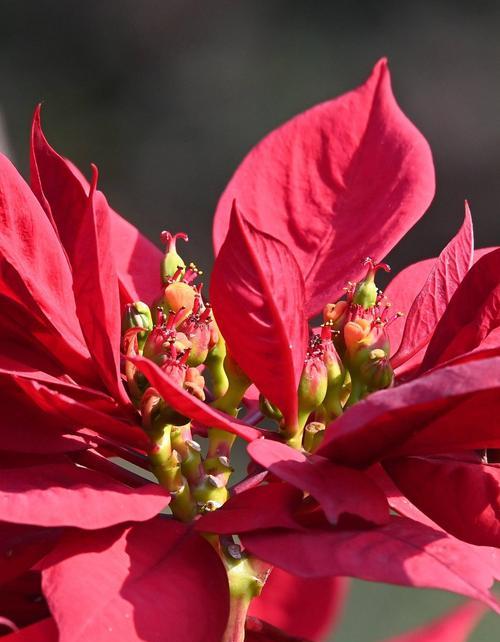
167 96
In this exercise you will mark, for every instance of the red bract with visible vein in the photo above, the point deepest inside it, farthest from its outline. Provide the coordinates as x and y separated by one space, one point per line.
110 352
342 181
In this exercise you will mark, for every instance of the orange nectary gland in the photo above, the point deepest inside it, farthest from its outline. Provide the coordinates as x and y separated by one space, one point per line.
179 295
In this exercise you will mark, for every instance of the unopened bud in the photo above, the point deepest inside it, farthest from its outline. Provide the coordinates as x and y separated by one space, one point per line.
314 380
366 293
137 315
197 328
376 371
171 262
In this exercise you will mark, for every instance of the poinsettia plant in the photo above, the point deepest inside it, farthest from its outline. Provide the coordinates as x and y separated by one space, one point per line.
371 432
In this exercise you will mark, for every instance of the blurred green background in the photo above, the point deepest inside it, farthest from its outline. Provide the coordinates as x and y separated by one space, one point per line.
167 96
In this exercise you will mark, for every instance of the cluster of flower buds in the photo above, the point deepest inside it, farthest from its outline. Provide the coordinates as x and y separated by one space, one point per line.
347 359
179 334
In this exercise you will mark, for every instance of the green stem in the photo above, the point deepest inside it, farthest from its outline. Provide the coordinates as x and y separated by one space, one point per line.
166 466
358 391
246 577
235 630
215 364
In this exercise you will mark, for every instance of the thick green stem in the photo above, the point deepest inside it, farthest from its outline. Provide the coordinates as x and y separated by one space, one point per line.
235 630
246 577
358 391
212 491
166 465
215 364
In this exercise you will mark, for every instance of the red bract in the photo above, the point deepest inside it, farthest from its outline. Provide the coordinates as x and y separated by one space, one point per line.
342 181
258 295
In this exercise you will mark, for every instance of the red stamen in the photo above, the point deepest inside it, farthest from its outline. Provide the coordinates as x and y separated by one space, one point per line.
160 316
196 305
177 274
205 315
398 315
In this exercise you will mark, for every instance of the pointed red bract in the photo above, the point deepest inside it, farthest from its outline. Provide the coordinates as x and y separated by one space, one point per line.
473 312
153 581
24 427
402 552
402 290
35 271
431 414
58 493
184 403
301 607
96 290
468 502
340 182
83 409
431 302
339 490
135 257
257 293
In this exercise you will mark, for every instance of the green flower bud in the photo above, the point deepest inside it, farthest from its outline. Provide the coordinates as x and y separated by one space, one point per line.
171 262
137 315
365 292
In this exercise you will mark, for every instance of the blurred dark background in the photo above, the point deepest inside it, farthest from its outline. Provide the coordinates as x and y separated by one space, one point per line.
167 96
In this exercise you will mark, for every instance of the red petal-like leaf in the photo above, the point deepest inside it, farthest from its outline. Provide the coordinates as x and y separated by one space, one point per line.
455 626
339 490
428 307
190 406
257 293
155 581
405 287
468 502
401 552
82 222
137 261
136 258
431 414
43 631
301 607
402 291
34 270
83 409
269 506
24 427
450 431
96 290
342 181
403 506
473 312
58 493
